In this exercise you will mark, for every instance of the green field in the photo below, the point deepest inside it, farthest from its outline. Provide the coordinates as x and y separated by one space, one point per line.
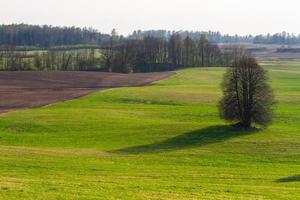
163 141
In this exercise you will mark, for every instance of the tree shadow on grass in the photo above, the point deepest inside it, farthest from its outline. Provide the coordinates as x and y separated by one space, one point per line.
198 138
295 178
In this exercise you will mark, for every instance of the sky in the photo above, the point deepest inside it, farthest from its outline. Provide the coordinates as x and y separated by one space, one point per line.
227 16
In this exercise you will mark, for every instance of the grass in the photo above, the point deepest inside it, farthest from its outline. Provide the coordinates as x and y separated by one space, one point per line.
163 141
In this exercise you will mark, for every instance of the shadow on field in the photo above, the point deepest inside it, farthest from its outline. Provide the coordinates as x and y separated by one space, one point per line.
289 179
209 135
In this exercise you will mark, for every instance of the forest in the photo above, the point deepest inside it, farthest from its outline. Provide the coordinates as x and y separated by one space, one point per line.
147 54
283 38
44 48
48 36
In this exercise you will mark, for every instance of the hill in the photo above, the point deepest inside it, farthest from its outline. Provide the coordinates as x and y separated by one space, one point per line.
163 141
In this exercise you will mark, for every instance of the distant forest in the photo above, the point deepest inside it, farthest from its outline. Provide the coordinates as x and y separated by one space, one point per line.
30 47
48 36
216 37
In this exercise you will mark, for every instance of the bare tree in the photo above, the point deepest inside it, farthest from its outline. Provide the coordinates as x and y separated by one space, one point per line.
175 49
202 48
247 97
1 58
66 58
189 52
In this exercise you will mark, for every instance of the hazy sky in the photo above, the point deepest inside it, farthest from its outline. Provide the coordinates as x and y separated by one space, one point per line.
227 16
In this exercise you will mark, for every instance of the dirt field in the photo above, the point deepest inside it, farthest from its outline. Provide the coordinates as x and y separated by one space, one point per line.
268 52
21 90
276 56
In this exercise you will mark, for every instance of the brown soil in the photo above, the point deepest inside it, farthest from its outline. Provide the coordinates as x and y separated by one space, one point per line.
21 90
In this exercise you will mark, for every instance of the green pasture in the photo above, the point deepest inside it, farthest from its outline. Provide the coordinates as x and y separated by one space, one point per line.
162 141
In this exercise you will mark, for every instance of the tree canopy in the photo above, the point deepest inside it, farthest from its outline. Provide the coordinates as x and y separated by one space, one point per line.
248 98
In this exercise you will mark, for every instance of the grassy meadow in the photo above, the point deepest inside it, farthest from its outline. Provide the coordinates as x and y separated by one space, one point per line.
163 141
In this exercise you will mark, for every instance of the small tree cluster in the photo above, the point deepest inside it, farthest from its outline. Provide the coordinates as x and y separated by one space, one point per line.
158 54
65 60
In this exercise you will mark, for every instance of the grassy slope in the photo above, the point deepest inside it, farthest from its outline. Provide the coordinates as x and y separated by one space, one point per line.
163 141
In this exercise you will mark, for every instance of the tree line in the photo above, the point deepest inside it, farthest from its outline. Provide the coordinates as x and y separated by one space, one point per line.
278 38
149 54
35 36
50 60
48 36
212 36
217 37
